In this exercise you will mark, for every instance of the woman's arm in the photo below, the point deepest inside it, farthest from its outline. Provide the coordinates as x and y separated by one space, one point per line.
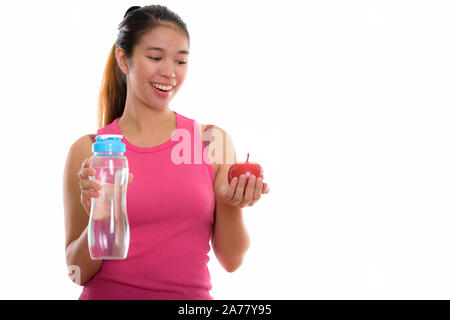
79 263
230 240
80 266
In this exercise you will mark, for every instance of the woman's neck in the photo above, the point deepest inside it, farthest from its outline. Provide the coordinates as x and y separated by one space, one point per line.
146 121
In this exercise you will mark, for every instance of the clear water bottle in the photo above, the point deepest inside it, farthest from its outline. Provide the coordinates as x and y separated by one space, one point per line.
108 230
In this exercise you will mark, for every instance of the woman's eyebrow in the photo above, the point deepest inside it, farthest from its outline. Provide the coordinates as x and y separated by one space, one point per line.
161 49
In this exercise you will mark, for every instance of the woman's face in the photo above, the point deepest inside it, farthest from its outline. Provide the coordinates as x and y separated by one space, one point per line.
159 59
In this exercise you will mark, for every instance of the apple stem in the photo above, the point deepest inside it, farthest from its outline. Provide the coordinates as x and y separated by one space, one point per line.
248 155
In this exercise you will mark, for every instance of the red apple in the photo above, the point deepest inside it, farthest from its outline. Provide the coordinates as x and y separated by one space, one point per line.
247 168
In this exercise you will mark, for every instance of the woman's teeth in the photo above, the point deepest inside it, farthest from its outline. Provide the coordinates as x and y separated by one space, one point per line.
161 87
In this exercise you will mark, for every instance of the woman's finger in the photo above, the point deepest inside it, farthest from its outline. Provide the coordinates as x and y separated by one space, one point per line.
257 192
231 189
239 194
265 188
84 173
130 177
249 191
88 194
90 185
86 163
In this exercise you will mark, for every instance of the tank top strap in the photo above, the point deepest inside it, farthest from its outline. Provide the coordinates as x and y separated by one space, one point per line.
189 124
92 137
207 135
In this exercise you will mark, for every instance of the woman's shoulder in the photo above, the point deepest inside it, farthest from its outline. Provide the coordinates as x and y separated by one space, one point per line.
80 150
210 128
219 158
83 144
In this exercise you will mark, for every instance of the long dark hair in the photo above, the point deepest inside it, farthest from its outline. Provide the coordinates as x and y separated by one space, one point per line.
137 21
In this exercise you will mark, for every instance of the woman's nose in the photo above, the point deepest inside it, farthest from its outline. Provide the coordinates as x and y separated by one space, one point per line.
168 70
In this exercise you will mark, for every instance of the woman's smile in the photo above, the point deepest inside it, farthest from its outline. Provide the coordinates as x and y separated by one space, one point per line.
162 90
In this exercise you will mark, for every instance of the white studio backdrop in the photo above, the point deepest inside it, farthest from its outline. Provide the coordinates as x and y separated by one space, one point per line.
345 104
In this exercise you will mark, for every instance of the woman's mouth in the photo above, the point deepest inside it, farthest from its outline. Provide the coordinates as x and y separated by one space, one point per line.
162 90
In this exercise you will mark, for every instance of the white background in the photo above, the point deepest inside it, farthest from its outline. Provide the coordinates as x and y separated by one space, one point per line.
345 104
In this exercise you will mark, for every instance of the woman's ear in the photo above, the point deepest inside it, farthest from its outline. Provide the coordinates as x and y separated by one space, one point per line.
122 60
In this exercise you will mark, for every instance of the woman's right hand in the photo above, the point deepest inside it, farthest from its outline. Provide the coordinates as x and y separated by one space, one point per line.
89 188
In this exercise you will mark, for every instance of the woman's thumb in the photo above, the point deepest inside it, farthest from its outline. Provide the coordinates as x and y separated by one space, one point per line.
86 163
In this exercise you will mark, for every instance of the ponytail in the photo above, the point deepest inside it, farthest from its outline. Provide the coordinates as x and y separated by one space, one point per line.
113 92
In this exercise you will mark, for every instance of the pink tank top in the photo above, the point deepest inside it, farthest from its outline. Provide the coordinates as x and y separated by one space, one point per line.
170 211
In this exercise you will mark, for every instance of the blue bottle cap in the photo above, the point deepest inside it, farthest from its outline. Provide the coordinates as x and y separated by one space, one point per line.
108 143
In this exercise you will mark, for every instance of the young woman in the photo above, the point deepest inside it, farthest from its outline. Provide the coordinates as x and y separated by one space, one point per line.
174 209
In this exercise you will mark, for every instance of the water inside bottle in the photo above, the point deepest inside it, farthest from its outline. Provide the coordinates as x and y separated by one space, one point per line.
109 231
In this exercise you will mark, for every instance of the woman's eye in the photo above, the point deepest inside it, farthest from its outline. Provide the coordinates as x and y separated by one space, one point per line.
159 58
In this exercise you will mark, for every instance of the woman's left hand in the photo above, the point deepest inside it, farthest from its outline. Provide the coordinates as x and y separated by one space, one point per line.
239 195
